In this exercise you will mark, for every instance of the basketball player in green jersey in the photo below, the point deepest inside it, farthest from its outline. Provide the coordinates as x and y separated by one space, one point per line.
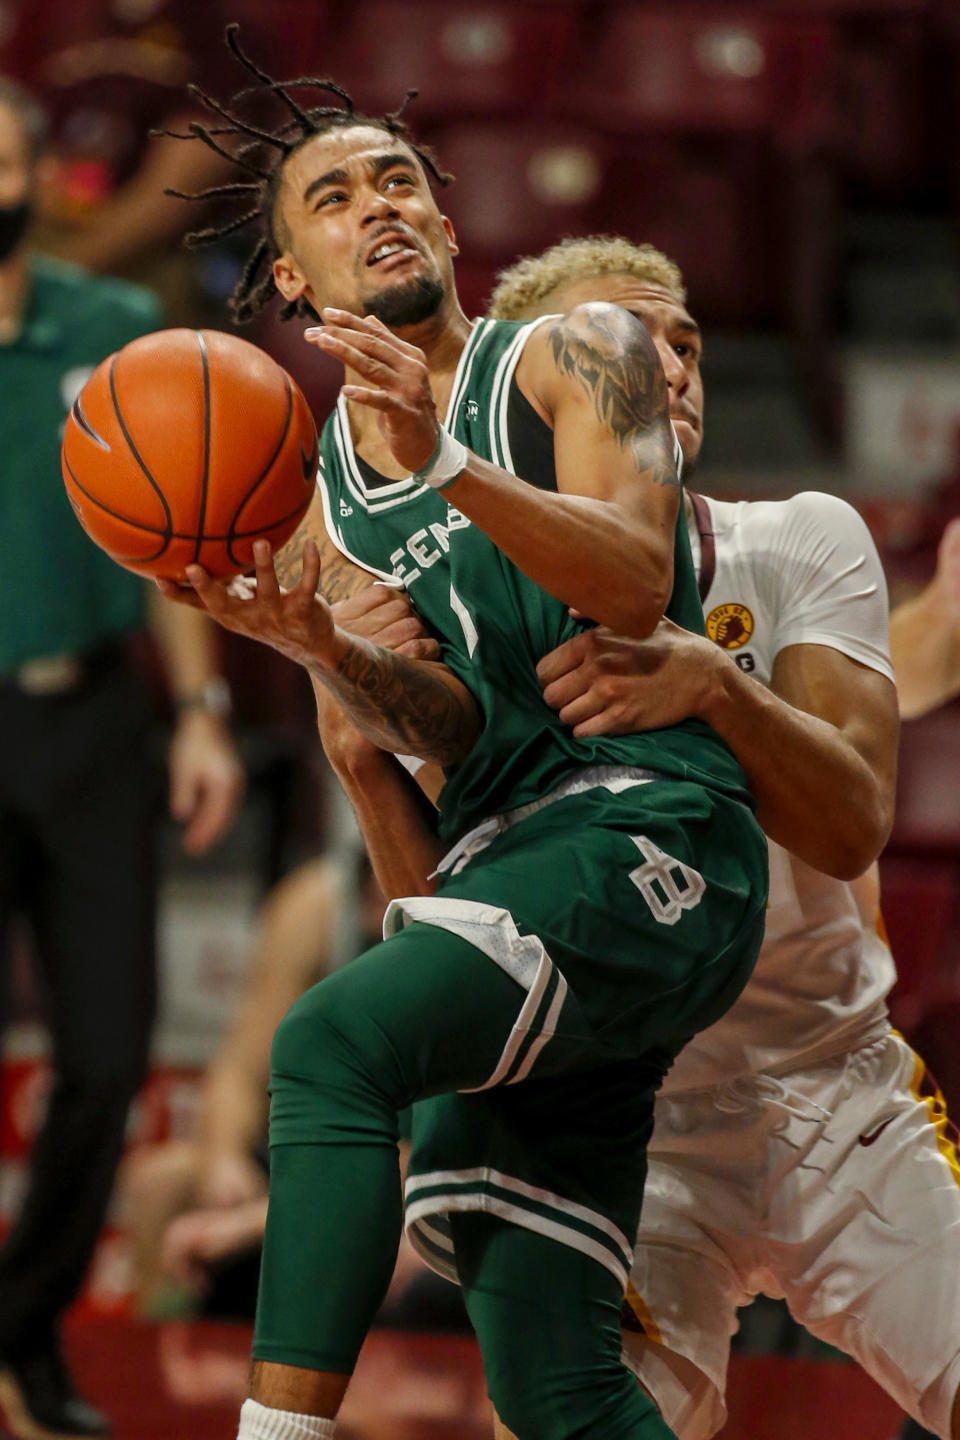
601 901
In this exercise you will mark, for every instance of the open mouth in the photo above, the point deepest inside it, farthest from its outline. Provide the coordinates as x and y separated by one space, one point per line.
390 251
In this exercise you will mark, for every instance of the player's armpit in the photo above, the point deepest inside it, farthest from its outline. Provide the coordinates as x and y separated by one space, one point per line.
339 577
431 781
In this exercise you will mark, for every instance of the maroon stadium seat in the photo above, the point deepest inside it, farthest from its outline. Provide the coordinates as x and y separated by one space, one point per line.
708 67
479 57
934 1037
919 899
520 187
712 208
728 106
475 281
888 141
289 37
928 816
920 871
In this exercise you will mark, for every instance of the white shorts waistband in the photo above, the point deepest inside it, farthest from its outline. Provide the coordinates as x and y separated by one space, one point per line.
614 778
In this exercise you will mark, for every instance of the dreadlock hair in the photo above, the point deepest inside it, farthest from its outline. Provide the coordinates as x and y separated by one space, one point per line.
261 159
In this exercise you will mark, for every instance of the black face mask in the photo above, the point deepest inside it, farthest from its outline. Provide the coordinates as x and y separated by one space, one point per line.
14 220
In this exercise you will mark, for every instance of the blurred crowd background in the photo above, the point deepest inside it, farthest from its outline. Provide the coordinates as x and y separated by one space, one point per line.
801 162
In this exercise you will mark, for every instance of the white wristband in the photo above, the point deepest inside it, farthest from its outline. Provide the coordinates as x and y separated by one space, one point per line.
449 460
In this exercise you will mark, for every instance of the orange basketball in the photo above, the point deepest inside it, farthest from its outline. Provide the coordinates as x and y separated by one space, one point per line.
185 446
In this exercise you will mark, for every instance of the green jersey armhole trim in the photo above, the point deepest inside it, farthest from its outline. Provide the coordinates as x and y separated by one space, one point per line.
334 535
500 406
398 492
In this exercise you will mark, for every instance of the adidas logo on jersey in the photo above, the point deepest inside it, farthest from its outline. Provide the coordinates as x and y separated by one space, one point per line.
473 410
345 509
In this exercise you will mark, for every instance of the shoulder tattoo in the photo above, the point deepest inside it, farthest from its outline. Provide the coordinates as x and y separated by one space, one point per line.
610 355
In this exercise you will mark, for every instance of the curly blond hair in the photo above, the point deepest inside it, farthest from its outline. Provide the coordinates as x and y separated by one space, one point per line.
521 289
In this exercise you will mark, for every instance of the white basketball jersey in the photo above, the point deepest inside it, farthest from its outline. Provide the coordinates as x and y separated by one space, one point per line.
802 571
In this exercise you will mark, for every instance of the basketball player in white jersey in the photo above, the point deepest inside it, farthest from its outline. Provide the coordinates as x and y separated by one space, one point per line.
801 1149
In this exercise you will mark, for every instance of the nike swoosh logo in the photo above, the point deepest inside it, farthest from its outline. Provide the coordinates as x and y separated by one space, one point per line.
308 463
85 425
870 1135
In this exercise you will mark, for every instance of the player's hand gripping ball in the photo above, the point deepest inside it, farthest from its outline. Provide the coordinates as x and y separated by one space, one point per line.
185 446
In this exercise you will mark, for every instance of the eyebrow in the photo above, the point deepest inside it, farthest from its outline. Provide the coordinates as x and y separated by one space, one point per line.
689 326
332 177
378 165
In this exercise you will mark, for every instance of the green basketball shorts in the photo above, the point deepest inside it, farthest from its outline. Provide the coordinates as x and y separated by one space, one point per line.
629 909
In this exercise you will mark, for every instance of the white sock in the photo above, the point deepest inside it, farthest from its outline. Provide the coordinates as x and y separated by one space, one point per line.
260 1422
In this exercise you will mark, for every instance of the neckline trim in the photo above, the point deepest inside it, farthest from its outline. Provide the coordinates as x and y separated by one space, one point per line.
708 544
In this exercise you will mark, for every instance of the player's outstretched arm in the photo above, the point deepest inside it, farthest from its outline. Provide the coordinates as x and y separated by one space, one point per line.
604 543
925 635
408 706
395 822
402 845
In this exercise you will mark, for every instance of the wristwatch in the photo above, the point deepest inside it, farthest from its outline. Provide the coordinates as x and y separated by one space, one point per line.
214 697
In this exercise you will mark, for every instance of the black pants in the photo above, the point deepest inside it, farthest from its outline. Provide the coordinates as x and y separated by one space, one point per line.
77 809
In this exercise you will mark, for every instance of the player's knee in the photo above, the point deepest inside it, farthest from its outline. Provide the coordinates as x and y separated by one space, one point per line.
521 1401
542 1401
331 1067
320 1036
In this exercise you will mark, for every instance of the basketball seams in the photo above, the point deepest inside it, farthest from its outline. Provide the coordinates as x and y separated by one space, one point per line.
233 533
168 529
171 535
166 535
205 478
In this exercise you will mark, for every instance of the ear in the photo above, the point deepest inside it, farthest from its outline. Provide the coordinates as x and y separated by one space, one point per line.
288 277
451 237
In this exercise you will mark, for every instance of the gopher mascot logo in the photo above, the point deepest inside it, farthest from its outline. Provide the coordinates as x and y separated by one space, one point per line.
730 626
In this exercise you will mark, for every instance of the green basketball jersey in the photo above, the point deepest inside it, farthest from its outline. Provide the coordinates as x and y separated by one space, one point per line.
494 624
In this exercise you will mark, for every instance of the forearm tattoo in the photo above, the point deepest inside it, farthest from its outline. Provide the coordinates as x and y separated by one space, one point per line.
611 356
400 704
